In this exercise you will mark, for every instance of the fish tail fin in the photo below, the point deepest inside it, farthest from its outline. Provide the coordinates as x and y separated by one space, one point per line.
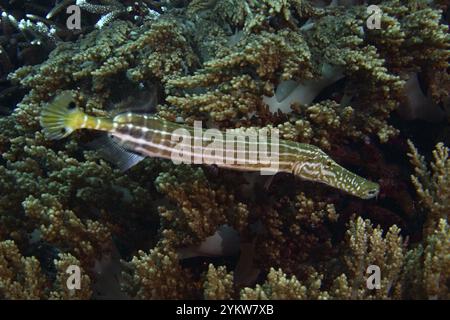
61 117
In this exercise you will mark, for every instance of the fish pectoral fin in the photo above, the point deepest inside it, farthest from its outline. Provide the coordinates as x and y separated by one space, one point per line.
112 152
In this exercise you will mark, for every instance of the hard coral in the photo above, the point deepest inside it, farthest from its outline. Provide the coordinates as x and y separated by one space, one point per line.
432 187
234 64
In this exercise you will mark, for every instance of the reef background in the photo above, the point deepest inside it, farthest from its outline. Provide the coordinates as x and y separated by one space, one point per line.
375 100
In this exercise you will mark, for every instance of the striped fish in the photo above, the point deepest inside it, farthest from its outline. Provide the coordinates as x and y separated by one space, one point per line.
145 135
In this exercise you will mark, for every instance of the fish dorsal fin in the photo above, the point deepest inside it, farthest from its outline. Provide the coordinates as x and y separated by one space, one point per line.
112 152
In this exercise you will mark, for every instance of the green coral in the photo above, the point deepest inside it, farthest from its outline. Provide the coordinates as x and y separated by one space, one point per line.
23 278
158 275
200 208
432 187
20 277
427 266
230 94
280 287
321 124
256 15
423 270
217 61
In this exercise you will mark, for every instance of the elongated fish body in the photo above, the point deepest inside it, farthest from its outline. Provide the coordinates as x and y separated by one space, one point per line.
154 137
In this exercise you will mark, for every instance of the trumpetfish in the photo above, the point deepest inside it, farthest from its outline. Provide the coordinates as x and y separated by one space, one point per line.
144 135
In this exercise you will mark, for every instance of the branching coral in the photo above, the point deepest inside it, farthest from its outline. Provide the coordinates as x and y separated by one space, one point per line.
410 26
234 95
61 227
37 32
340 41
158 275
423 270
64 201
200 209
257 15
427 266
366 247
279 286
20 277
218 284
60 290
121 52
433 188
321 124
233 64
369 247
232 82
292 230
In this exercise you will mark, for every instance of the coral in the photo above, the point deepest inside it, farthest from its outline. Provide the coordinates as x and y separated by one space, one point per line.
60 290
234 95
20 277
257 15
422 270
61 227
62 200
437 262
293 229
314 72
278 286
200 208
339 41
158 275
121 52
368 247
218 284
321 124
433 188
364 246
415 25
37 32
427 266
229 86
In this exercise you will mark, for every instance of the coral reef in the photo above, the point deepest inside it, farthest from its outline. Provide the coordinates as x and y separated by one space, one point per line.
158 275
433 187
22 277
200 208
313 71
218 283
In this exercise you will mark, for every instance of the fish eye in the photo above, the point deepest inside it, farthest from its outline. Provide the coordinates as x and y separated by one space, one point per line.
72 105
